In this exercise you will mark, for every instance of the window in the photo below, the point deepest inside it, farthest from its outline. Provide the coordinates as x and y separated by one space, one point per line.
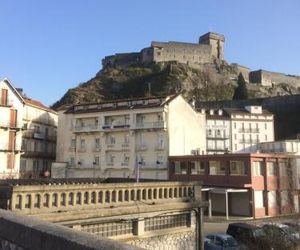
218 132
271 168
111 140
96 161
197 167
35 146
209 132
235 146
283 168
97 142
284 198
258 197
180 167
126 139
234 125
82 143
266 125
177 169
272 198
257 168
238 168
72 161
216 168
73 143
266 137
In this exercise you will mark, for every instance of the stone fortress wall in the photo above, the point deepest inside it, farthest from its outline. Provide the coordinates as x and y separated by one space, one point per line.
268 78
209 49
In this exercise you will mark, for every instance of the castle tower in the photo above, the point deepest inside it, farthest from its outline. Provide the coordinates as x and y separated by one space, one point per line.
217 43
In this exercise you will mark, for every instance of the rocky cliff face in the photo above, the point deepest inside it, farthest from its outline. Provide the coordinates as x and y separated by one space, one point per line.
207 82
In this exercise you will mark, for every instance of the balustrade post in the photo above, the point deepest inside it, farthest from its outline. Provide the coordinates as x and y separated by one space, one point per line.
50 200
31 201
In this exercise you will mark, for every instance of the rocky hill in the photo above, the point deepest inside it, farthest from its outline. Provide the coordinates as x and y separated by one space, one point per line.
206 82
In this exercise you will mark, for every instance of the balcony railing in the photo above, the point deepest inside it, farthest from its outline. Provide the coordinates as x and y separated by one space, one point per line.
87 128
10 147
125 164
125 145
249 130
39 154
8 124
217 137
116 126
249 141
141 147
142 125
159 147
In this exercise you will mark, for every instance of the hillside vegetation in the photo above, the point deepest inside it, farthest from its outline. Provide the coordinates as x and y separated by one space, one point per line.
209 82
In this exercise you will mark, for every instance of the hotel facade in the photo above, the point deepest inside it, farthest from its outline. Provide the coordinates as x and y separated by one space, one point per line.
127 138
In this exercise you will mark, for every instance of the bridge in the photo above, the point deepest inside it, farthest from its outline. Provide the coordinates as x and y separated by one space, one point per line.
145 214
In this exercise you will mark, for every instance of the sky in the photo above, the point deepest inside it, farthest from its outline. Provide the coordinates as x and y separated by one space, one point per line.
47 47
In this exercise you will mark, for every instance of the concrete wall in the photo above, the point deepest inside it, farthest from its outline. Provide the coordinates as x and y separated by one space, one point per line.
21 232
187 129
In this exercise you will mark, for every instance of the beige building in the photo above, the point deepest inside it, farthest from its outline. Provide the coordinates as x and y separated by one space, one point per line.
126 138
27 134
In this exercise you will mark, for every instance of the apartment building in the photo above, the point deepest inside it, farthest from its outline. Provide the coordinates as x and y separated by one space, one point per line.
252 185
126 138
27 134
238 130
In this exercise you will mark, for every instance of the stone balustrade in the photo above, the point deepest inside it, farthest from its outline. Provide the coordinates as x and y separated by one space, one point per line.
33 199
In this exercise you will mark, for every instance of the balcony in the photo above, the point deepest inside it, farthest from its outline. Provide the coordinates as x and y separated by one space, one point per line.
150 125
125 145
159 147
86 128
217 137
249 141
125 164
39 154
11 125
249 130
116 126
141 147
10 147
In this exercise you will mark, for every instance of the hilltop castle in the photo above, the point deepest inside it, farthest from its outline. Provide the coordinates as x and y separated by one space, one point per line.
209 49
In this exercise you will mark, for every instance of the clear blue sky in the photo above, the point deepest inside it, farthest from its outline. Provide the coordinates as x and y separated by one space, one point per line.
47 47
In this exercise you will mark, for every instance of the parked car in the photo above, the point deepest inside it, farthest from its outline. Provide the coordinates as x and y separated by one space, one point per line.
248 236
281 236
220 242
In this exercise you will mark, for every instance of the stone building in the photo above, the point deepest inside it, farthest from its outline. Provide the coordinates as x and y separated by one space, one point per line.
127 138
27 134
209 49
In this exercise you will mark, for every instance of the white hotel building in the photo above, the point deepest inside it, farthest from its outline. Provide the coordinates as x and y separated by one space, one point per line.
238 130
127 138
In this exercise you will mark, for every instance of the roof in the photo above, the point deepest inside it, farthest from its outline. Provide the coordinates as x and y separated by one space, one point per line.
37 104
231 111
123 104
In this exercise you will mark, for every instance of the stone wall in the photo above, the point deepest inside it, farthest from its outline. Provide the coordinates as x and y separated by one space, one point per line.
22 232
267 78
173 241
121 60
176 51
